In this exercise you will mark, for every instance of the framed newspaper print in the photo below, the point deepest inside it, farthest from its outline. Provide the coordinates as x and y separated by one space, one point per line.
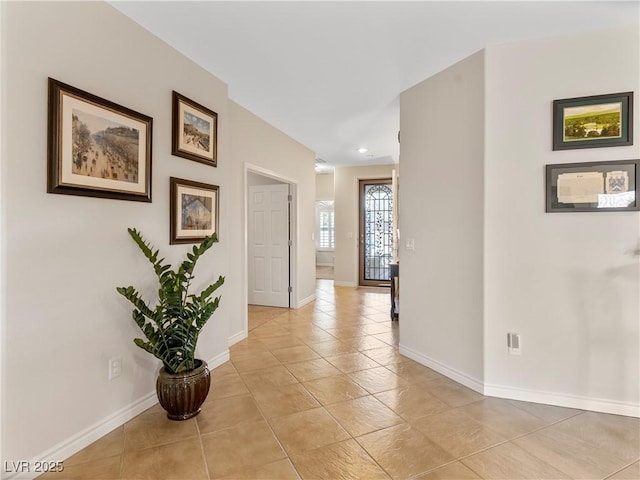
592 187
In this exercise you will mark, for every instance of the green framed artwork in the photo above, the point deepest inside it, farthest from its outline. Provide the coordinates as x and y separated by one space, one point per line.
595 121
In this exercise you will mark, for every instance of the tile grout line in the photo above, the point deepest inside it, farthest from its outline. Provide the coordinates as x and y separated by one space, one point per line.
407 421
204 456
623 468
426 472
354 438
124 438
268 424
507 441
321 406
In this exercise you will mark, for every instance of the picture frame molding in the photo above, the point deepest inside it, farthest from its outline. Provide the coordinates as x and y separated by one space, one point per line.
55 160
174 184
178 98
553 170
626 121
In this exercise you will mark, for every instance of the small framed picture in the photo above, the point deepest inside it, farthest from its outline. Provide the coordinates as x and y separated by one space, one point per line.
194 210
195 131
593 186
596 121
96 148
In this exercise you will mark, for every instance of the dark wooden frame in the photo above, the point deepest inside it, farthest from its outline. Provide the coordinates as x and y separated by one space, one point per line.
626 121
551 189
56 162
176 132
174 215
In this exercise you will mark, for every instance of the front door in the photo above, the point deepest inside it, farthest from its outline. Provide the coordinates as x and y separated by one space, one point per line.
268 240
376 231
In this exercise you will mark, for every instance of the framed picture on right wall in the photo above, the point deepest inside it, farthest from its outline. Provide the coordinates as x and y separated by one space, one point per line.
595 121
592 186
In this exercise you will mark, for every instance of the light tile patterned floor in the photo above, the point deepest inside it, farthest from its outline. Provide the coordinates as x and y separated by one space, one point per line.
324 272
322 392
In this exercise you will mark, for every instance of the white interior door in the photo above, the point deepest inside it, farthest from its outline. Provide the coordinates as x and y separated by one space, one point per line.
268 240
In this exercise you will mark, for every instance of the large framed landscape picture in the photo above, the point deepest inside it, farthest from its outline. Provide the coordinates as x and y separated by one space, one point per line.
195 131
193 211
595 121
97 148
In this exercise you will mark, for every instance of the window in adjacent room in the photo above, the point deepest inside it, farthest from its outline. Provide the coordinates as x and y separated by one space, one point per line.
325 225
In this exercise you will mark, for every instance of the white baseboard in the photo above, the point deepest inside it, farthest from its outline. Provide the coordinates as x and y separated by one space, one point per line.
77 442
304 301
512 393
452 373
233 339
338 283
218 360
563 400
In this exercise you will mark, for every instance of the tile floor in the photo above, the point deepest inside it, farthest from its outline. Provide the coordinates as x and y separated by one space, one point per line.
324 272
322 392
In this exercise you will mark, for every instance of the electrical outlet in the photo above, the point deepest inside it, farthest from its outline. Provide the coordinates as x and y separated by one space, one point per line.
115 367
514 344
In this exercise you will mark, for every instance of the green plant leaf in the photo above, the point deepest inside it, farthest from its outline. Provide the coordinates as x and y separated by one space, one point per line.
173 326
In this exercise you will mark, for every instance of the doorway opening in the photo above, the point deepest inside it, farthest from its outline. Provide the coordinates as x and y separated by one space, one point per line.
270 228
325 239
376 231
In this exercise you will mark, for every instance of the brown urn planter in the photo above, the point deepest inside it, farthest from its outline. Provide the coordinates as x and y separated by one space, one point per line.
182 394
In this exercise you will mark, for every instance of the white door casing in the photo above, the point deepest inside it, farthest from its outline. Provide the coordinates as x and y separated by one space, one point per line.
268 242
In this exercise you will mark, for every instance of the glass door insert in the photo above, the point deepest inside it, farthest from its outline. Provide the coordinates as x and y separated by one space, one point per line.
376 231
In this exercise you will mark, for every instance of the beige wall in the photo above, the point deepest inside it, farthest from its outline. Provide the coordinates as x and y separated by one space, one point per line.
441 197
346 208
488 260
258 144
324 186
254 179
63 255
567 282
66 254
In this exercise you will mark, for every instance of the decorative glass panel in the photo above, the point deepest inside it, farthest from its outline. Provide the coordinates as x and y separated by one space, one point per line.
378 231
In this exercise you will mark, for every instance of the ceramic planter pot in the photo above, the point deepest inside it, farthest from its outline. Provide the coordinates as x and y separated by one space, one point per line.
182 394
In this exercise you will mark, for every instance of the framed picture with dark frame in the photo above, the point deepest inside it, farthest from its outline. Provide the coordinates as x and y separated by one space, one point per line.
194 132
593 186
96 148
194 210
595 121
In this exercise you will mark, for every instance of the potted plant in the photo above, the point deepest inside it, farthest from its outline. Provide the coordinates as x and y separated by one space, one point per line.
172 328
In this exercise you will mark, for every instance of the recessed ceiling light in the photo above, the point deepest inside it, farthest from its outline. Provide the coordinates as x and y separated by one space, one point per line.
363 150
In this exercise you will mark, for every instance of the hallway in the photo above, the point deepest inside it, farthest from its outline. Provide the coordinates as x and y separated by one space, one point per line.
322 392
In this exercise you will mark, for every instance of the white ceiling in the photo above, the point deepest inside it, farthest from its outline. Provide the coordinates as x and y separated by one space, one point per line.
329 74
